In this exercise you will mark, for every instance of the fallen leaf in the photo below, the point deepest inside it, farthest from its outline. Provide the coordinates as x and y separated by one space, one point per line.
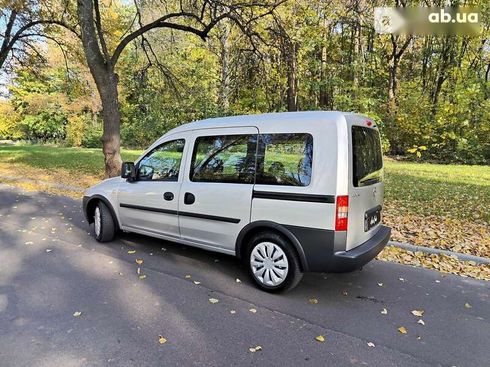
232 311
255 349
48 250
161 339
77 314
29 243
401 279
344 293
402 330
467 305
187 276
139 261
238 280
384 311
320 338
380 284
131 251
196 282
418 313
253 310
142 276
421 322
313 301
138 271
371 344
213 300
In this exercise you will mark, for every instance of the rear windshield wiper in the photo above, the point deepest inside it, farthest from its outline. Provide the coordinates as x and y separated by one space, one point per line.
369 181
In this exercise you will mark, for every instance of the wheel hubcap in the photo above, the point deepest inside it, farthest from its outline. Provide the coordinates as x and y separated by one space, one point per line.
97 221
269 263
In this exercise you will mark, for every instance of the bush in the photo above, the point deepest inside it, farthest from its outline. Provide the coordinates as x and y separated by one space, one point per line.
92 136
44 127
75 130
9 126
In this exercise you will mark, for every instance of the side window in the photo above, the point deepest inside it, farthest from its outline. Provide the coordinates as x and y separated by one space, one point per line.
225 158
284 159
162 163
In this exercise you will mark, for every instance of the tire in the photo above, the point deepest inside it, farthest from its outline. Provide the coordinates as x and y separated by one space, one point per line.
104 227
282 266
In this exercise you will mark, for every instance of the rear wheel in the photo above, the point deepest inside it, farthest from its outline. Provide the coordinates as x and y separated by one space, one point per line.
273 263
104 227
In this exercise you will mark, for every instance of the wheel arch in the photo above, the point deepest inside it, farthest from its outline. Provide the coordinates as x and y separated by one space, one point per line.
264 225
89 208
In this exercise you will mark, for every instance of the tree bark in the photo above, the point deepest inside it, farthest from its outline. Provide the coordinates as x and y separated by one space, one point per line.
292 74
106 81
5 49
224 90
111 143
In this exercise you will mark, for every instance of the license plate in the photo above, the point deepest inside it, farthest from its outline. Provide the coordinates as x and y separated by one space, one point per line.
371 218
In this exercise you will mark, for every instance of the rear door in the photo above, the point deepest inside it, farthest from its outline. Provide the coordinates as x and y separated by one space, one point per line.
366 187
216 194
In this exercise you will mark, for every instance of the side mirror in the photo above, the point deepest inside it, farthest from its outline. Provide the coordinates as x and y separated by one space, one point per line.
127 171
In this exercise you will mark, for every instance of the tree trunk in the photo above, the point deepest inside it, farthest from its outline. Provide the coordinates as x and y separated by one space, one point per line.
106 81
224 90
111 115
392 82
292 75
6 47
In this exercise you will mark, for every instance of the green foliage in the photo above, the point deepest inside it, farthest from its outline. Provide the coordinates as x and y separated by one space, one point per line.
9 128
45 126
92 136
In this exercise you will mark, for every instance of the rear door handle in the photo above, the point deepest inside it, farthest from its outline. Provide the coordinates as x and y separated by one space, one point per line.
169 196
189 198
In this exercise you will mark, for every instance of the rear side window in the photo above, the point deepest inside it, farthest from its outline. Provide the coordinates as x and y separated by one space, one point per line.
225 158
284 159
367 159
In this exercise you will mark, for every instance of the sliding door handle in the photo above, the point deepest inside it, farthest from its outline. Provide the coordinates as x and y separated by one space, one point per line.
189 198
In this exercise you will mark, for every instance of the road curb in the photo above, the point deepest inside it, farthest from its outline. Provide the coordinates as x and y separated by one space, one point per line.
430 250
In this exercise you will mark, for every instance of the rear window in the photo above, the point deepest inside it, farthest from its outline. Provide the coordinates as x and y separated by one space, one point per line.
367 159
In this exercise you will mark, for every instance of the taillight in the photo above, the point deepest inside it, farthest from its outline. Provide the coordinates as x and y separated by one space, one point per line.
342 213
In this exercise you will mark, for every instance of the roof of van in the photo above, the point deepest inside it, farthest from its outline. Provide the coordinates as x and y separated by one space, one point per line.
254 120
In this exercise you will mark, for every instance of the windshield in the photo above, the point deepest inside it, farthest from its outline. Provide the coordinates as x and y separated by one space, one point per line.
367 158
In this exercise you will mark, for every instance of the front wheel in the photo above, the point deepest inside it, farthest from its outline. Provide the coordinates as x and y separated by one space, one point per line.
273 263
104 228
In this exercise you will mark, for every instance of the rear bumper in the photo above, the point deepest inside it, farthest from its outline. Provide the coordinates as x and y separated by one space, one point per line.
343 261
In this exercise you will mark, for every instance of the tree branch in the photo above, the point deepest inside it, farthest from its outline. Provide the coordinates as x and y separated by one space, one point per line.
98 26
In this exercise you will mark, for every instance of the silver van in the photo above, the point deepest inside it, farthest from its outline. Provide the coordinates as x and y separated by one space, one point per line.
286 192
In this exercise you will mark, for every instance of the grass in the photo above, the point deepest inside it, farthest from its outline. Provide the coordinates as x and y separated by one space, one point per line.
452 191
74 160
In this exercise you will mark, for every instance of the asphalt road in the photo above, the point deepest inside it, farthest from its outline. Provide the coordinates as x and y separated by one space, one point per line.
50 268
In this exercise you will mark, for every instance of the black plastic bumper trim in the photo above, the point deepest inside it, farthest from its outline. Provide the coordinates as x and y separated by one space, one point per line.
149 209
343 261
184 214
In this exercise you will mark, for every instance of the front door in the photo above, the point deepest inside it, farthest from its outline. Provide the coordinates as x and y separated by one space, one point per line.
216 193
151 203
